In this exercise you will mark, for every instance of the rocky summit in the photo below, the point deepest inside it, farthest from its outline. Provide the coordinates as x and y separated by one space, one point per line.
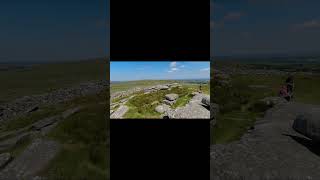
198 107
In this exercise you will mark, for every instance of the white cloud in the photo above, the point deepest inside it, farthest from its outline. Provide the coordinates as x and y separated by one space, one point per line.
173 67
173 64
205 69
182 66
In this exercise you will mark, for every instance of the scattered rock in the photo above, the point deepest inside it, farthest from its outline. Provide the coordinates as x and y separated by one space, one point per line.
4 159
162 87
162 108
171 97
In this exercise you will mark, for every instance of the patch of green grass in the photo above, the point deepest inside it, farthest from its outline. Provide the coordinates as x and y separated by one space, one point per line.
231 126
79 162
239 108
85 153
182 101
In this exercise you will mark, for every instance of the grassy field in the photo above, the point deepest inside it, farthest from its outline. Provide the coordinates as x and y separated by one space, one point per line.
84 136
47 77
85 140
240 106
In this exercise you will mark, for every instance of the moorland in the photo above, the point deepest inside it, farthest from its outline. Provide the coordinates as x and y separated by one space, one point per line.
53 120
152 98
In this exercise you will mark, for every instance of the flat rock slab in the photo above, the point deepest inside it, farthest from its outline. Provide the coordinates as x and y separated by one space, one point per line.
272 150
119 112
190 111
162 108
31 160
44 122
70 112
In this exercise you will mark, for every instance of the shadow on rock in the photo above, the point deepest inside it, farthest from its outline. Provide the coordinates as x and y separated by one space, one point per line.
313 146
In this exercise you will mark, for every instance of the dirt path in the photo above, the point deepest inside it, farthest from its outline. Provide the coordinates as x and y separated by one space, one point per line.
271 151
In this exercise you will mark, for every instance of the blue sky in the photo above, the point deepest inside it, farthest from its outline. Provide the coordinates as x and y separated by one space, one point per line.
140 70
241 27
53 30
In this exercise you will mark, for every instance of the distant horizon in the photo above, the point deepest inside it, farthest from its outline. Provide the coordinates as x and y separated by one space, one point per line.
162 79
51 62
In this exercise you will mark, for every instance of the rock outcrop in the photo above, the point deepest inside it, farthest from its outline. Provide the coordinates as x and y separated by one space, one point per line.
29 104
271 150
195 109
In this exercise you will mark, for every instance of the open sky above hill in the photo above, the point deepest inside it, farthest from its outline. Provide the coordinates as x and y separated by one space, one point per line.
53 30
142 70
250 27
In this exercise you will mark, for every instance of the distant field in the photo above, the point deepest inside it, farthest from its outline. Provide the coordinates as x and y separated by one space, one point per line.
46 77
123 86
